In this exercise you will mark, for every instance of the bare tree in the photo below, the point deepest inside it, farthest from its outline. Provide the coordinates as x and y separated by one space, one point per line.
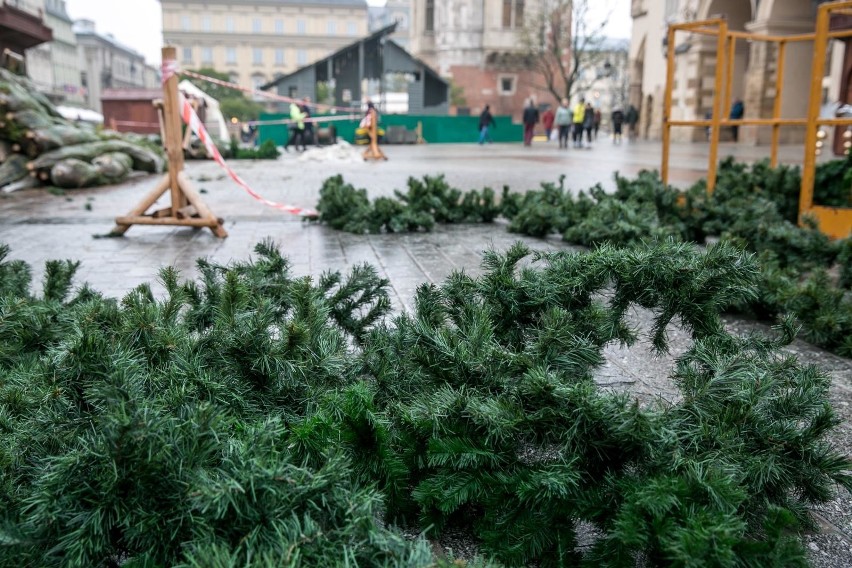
563 42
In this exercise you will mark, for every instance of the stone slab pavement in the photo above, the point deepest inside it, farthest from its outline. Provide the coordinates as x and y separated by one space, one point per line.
39 226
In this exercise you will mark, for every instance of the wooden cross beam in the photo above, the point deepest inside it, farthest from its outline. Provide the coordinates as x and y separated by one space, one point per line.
187 209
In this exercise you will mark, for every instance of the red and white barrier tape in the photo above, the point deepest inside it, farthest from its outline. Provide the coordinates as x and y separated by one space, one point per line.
265 94
194 123
169 69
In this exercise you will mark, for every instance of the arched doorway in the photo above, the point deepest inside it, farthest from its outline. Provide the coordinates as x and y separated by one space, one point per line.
780 17
738 14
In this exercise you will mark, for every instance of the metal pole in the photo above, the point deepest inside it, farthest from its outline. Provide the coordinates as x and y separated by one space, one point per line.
667 104
806 197
715 130
776 111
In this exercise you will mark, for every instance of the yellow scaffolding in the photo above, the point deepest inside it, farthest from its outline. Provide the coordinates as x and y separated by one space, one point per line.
833 221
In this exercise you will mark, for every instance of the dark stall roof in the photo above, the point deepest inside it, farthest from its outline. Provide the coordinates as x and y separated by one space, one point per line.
386 31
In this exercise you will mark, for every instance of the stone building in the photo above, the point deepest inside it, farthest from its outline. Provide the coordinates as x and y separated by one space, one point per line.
22 29
477 44
255 41
755 64
393 12
65 83
105 63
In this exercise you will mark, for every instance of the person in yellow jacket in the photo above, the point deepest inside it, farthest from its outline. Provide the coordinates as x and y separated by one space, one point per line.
579 118
297 127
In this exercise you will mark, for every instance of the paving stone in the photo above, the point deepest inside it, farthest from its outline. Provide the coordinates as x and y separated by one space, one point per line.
39 226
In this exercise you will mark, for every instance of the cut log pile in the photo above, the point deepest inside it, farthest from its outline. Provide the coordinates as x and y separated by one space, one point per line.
40 147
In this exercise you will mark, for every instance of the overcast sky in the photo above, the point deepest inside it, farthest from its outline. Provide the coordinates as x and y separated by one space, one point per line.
139 24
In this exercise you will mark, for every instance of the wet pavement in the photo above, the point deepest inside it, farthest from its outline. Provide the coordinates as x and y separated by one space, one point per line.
39 226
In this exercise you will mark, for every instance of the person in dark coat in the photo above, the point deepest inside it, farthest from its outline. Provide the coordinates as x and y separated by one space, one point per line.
632 119
598 119
486 121
309 134
530 120
617 125
737 113
589 122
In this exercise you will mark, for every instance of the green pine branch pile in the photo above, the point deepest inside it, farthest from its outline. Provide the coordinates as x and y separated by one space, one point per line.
804 273
425 203
250 417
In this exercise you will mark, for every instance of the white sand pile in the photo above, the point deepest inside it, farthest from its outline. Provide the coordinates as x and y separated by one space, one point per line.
343 151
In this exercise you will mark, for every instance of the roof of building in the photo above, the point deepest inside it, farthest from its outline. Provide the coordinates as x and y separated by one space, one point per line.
82 31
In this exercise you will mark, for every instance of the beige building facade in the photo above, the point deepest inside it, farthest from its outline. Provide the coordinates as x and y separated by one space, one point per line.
54 66
254 41
755 64
477 44
65 61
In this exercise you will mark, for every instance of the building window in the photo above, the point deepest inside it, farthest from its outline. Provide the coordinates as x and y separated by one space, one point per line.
302 57
207 55
506 85
352 28
332 27
430 15
257 56
231 55
301 27
513 13
185 23
187 55
229 25
279 26
279 57
256 25
234 77
206 24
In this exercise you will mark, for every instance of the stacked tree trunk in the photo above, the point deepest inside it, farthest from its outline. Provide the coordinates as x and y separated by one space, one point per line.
40 147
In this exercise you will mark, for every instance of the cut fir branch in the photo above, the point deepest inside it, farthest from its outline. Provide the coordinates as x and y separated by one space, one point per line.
254 418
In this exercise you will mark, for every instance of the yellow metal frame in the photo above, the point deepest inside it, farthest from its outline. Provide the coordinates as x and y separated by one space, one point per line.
833 221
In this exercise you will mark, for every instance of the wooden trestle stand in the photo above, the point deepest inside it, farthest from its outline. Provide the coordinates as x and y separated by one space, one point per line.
187 208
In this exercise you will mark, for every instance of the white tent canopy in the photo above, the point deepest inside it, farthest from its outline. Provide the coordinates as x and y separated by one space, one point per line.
214 122
80 114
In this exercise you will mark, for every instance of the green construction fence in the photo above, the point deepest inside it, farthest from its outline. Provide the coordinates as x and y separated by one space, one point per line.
436 129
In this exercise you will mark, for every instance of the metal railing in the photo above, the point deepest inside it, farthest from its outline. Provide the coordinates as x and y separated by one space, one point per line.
834 221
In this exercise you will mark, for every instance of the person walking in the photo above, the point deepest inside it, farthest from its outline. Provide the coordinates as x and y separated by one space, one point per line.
597 126
371 123
310 135
563 123
617 125
632 119
486 121
547 120
579 117
530 120
589 122
297 128
737 113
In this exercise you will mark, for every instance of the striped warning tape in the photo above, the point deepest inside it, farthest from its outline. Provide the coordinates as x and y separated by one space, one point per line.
194 123
265 94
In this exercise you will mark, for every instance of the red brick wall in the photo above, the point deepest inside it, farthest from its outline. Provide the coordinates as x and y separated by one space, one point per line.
482 87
